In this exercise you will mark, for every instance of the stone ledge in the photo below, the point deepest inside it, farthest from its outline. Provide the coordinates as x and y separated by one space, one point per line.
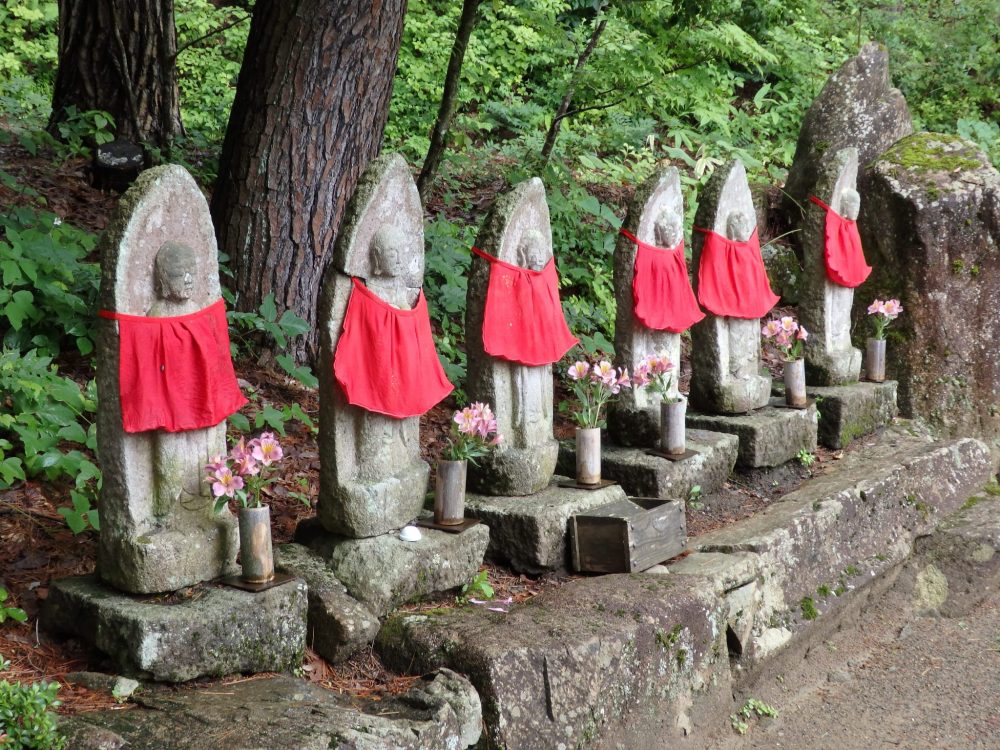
441 710
847 412
530 532
223 631
769 436
643 475
633 660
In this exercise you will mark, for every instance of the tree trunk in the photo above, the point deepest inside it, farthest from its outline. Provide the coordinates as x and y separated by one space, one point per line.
311 104
567 100
449 98
118 56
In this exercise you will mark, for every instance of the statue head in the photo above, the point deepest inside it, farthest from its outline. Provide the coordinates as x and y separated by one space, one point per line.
738 226
850 204
668 229
531 250
388 246
174 271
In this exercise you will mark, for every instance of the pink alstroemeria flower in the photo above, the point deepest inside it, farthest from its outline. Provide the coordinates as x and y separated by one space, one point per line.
266 449
875 307
466 420
788 324
770 329
803 334
226 483
604 372
891 308
578 370
213 467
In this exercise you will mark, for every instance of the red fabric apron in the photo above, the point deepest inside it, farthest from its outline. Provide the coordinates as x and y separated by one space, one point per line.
385 359
523 320
845 260
661 289
175 373
731 277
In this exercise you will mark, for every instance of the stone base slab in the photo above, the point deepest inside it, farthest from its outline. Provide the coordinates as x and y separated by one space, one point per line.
847 412
383 572
769 436
529 533
643 475
222 631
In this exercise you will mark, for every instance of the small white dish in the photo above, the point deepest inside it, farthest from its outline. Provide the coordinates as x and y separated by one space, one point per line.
410 534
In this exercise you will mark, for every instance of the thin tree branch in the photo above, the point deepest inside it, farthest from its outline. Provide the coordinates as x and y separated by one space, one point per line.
206 35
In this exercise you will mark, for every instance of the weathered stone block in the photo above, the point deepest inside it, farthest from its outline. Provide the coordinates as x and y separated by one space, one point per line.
965 550
614 660
530 533
768 437
931 227
222 632
382 572
643 475
847 412
338 624
441 710
841 530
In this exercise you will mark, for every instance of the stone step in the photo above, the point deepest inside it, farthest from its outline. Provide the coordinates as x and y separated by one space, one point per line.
848 412
643 475
632 660
769 436
530 532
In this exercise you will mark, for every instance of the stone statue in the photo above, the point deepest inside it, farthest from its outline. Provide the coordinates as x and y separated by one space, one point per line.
372 479
825 307
727 375
517 232
158 529
656 216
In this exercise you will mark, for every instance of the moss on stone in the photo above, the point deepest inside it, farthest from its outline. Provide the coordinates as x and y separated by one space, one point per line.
933 152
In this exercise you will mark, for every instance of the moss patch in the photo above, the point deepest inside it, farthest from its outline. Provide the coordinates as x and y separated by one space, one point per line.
933 152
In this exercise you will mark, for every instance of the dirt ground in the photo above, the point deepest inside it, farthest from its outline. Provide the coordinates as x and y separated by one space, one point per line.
892 681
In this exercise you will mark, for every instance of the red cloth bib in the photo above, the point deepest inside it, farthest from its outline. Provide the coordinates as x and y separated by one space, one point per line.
845 260
523 320
175 373
385 359
732 281
661 289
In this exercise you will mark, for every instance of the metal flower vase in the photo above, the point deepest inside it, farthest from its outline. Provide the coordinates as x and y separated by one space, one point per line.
673 437
256 554
588 455
795 382
875 360
449 493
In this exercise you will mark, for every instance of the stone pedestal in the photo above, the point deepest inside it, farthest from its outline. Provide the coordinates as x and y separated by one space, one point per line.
530 533
847 412
643 475
383 572
219 632
769 436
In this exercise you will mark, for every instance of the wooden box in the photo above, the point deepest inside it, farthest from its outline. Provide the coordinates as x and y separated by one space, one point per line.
628 536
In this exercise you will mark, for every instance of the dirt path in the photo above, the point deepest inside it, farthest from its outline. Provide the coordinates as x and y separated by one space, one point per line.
894 681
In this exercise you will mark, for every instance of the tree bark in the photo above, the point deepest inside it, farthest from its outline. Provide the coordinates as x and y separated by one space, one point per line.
118 56
449 98
311 105
567 100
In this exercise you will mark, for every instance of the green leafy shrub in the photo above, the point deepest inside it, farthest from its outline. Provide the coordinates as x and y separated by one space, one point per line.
49 290
13 613
26 720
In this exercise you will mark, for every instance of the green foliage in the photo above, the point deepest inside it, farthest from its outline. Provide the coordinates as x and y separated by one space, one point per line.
13 613
694 498
49 290
266 321
26 720
478 588
28 40
752 708
805 457
42 417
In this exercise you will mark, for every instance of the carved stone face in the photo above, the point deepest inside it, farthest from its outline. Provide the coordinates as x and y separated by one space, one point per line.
531 250
668 229
174 272
738 226
850 204
388 246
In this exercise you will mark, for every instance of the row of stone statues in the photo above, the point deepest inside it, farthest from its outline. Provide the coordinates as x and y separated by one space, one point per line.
159 532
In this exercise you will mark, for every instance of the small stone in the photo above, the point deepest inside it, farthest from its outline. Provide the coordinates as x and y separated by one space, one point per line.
124 687
905 632
838 676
